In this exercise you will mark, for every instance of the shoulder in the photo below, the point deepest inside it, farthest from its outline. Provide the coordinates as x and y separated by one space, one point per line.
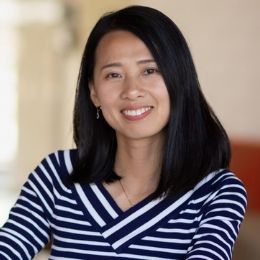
56 165
221 180
62 159
227 181
47 181
225 192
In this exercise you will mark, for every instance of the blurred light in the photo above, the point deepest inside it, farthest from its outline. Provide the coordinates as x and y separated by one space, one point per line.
8 95
23 12
13 14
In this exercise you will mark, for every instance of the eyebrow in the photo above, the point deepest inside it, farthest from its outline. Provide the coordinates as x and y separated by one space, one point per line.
146 61
118 64
114 64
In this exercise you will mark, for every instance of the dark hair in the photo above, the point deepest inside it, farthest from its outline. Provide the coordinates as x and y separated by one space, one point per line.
196 142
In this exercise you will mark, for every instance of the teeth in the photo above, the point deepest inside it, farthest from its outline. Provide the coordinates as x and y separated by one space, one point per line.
136 112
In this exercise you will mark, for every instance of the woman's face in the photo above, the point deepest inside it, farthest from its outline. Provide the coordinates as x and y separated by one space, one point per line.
129 87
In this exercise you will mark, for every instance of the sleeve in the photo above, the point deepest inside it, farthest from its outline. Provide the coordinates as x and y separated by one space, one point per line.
220 222
27 230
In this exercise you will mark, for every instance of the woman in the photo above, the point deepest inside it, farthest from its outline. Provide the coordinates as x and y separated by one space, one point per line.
149 177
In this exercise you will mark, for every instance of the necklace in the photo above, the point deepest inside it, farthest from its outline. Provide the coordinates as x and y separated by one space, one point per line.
122 186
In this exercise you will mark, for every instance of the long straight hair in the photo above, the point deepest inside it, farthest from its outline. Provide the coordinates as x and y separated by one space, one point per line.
196 143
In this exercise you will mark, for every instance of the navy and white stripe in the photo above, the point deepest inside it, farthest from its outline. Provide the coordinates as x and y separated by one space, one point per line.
84 222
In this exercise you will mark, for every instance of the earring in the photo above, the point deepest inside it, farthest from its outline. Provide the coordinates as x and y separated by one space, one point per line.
98 110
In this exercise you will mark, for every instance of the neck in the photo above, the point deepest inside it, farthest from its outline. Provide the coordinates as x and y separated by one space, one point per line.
138 162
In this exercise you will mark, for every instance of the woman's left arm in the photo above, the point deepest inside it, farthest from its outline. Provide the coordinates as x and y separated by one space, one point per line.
220 223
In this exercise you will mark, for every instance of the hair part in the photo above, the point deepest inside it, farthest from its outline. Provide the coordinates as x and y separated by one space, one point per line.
196 143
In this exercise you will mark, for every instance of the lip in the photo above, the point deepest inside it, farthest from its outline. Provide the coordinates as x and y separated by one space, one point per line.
136 113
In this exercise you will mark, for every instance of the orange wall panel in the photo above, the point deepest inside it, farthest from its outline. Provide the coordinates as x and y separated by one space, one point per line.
246 164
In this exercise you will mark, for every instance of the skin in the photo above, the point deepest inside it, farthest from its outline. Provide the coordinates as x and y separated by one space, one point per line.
135 102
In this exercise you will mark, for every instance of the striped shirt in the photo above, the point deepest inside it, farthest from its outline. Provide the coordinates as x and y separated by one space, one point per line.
84 222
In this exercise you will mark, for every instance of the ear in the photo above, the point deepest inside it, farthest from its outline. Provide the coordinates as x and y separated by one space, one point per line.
93 94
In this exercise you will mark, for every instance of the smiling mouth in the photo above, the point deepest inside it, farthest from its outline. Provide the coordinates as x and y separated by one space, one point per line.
135 114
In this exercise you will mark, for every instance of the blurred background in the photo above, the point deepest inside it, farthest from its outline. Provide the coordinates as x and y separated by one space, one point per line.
41 43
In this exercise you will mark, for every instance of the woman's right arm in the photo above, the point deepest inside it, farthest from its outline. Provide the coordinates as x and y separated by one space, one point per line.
27 230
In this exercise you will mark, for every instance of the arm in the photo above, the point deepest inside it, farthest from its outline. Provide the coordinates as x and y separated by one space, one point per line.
27 230
219 226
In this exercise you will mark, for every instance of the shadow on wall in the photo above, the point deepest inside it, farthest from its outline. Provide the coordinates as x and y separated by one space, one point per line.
246 164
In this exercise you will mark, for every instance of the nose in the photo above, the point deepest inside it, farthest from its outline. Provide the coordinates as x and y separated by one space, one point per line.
132 88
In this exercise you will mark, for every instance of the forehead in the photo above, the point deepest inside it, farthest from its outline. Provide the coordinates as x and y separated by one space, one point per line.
120 43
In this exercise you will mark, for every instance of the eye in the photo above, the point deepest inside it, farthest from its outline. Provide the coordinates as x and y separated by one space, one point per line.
149 71
113 75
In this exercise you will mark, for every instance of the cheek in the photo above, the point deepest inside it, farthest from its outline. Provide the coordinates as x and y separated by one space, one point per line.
105 96
108 103
162 95
164 100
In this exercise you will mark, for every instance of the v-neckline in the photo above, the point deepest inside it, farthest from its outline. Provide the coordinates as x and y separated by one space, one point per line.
115 205
121 228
